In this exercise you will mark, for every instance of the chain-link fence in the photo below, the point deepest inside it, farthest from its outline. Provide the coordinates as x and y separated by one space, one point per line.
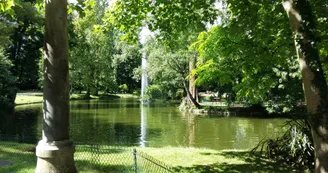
88 157
146 163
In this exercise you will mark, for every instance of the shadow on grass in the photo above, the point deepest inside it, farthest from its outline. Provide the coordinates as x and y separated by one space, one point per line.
87 166
249 164
23 160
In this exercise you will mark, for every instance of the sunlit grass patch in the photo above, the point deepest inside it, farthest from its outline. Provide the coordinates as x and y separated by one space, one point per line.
22 99
94 159
22 156
198 160
28 99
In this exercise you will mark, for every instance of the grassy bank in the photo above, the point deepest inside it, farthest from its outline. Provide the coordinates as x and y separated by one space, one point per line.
28 99
31 98
181 159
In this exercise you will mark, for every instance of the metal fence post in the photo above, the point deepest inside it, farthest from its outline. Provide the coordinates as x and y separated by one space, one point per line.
135 160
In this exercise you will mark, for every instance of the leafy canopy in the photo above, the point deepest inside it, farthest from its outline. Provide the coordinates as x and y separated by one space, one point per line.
168 18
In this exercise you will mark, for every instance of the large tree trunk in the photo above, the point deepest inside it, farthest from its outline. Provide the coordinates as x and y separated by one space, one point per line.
192 88
190 97
55 151
315 88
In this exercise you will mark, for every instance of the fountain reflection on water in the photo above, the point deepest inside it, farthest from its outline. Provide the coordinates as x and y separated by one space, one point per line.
143 126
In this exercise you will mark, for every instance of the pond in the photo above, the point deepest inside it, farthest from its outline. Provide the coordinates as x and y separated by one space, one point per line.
127 122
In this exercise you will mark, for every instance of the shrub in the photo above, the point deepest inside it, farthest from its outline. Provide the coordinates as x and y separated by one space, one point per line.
154 92
136 92
179 94
123 88
295 147
7 82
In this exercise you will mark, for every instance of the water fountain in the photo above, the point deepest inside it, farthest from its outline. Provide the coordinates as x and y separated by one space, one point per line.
144 35
144 77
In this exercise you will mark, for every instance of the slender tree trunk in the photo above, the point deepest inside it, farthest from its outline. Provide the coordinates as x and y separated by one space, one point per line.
315 88
96 91
87 94
55 151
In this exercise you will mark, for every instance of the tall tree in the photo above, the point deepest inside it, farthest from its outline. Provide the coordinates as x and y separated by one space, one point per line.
125 60
7 82
315 88
26 41
91 58
55 151
169 66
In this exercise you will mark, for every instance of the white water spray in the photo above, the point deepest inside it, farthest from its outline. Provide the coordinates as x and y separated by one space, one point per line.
144 35
144 76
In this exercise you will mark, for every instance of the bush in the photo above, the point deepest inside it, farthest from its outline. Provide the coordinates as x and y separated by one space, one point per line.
154 92
7 82
136 92
179 94
295 147
123 88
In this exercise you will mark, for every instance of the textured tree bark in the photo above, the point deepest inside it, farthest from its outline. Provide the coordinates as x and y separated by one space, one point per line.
190 97
192 87
314 84
55 151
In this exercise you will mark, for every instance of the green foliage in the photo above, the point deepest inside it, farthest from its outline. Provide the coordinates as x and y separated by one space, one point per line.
169 17
123 88
136 92
91 56
252 55
126 59
294 148
98 59
154 92
167 68
6 29
26 39
179 94
320 10
7 81
6 6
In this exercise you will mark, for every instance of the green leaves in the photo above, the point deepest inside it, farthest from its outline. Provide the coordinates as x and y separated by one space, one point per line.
167 67
91 56
6 6
7 81
252 53
168 18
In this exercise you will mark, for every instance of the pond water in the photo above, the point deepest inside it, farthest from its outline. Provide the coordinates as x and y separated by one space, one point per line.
127 122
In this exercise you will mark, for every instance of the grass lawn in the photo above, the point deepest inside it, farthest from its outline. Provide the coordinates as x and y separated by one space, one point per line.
115 159
193 160
28 99
31 98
